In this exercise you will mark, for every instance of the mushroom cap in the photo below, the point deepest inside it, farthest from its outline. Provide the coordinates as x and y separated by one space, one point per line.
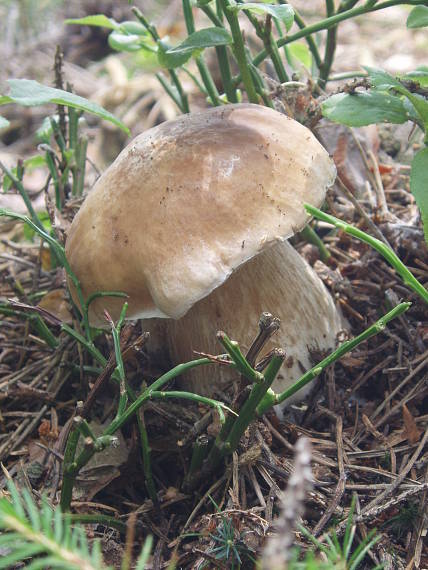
188 202
278 280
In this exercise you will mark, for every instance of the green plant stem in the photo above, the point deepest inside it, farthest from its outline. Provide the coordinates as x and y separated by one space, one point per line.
259 83
90 347
309 39
85 429
59 253
72 466
392 258
239 50
202 67
69 462
20 187
97 519
311 236
265 34
81 151
248 410
227 440
239 359
347 75
272 399
44 332
330 46
183 102
223 59
200 450
226 74
164 379
169 91
332 21
50 162
39 325
100 294
145 451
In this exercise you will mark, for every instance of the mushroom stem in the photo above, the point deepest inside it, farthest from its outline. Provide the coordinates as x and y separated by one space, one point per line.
278 280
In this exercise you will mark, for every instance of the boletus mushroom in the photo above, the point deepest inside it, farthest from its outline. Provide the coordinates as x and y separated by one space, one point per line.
190 221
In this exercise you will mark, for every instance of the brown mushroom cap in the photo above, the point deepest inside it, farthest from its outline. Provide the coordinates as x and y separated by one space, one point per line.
191 200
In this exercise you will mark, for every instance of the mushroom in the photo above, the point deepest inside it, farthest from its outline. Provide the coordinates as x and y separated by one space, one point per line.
190 221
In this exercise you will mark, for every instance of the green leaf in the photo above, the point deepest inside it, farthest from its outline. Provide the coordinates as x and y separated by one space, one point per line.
382 80
171 57
419 75
36 161
299 51
30 93
418 17
124 42
207 37
44 132
283 12
419 185
134 28
171 60
4 123
363 109
421 106
29 233
98 20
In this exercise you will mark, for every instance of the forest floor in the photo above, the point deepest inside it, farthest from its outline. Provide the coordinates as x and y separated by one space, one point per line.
366 417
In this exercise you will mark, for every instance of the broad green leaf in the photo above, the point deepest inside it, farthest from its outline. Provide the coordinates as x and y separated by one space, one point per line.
133 28
4 123
382 80
421 106
299 51
124 42
419 185
170 60
208 37
363 109
418 17
30 93
419 75
281 12
36 161
98 20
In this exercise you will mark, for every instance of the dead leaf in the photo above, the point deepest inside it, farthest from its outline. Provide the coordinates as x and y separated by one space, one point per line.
410 429
56 304
45 258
